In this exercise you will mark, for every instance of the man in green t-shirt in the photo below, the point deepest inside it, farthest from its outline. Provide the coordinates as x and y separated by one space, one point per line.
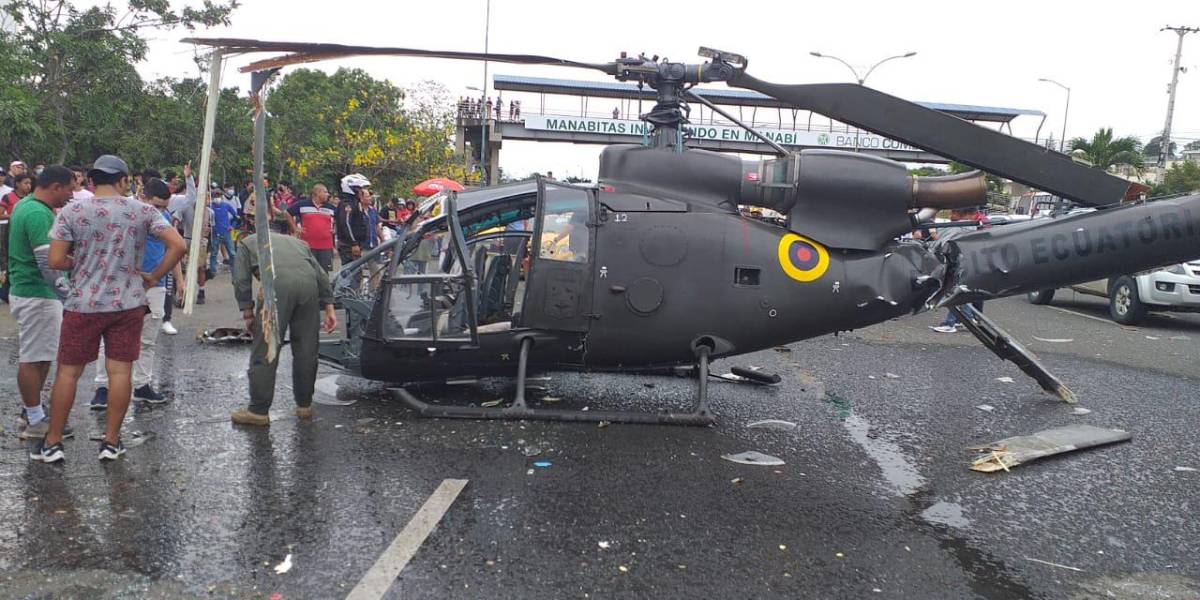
36 289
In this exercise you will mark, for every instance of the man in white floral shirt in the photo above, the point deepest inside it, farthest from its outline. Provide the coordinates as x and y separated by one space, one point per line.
101 240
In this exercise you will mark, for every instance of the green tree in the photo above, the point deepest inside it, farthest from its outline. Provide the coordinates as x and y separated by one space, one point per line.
75 68
1154 146
1104 152
326 126
1182 177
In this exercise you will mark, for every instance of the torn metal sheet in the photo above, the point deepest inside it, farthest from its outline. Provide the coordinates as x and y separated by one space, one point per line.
1013 451
224 335
753 458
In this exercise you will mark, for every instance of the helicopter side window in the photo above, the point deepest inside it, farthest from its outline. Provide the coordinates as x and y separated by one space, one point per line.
564 229
418 306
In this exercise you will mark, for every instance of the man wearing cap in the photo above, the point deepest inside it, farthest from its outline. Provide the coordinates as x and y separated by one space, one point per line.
101 242
37 291
15 168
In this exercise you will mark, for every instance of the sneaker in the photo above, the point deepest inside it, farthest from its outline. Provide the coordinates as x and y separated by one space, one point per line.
149 394
245 417
945 329
304 412
51 454
111 451
210 273
168 328
100 400
200 297
39 430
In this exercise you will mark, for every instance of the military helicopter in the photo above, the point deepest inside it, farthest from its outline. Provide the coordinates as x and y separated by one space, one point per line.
655 268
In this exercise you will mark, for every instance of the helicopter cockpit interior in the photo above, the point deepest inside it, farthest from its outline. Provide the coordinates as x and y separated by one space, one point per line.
416 289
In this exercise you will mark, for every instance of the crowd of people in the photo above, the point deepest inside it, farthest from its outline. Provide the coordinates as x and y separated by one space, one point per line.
484 108
100 251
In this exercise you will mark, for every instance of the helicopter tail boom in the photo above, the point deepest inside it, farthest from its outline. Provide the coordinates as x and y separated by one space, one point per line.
1050 253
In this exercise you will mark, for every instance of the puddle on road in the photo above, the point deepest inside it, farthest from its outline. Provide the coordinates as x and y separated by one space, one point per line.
946 513
899 472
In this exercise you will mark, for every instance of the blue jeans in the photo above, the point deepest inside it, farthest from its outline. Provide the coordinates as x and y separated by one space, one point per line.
952 321
220 240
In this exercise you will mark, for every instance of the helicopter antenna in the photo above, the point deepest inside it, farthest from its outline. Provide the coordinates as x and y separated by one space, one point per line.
768 141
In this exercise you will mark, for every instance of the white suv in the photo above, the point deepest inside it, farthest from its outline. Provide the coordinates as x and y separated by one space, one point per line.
1175 288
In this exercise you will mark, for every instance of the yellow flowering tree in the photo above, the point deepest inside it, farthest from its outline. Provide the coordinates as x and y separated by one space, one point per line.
325 126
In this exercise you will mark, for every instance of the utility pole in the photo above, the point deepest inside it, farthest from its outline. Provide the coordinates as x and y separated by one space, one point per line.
484 180
1164 146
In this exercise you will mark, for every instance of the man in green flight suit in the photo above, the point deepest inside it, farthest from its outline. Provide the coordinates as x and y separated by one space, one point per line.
302 293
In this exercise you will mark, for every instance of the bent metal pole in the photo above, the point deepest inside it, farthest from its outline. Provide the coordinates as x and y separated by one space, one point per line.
200 209
268 317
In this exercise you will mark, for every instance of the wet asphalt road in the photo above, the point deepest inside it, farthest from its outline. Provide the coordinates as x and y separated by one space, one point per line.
874 501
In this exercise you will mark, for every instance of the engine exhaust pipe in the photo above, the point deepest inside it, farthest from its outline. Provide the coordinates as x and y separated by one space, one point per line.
1056 252
950 191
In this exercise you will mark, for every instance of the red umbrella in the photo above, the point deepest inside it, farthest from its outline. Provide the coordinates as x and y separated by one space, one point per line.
429 187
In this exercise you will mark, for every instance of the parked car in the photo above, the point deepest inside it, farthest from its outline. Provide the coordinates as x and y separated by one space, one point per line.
1130 297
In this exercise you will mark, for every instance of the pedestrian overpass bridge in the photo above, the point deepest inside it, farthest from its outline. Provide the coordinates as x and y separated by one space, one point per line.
608 115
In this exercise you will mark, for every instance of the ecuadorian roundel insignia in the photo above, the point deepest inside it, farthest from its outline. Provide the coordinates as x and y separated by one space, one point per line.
801 258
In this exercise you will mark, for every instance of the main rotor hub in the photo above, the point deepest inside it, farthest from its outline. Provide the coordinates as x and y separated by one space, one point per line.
671 81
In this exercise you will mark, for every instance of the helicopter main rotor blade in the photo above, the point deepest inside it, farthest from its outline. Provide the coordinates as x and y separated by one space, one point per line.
948 136
309 52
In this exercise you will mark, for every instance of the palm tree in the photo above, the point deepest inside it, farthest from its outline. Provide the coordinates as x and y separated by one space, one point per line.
1104 152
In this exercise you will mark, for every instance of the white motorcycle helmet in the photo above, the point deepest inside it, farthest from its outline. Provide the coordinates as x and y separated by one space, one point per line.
354 180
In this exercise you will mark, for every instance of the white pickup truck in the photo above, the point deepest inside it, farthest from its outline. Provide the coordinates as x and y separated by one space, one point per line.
1130 297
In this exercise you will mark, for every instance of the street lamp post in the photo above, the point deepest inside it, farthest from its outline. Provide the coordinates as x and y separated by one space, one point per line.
487 26
863 79
1066 110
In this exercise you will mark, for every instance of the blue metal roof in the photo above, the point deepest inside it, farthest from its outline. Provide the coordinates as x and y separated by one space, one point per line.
608 89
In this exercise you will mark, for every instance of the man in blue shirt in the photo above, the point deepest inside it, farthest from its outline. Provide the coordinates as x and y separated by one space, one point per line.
156 193
223 216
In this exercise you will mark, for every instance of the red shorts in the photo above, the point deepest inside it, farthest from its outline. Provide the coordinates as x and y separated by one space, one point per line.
82 332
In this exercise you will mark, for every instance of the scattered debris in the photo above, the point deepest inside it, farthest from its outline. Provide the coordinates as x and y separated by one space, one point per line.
491 403
650 385
1054 340
1046 562
603 545
551 399
1186 469
462 381
327 392
840 555
870 377
225 335
284 566
1004 379
782 349
542 464
891 376
1019 450
531 450
986 407
1153 337
623 569
753 458
1081 411
603 424
783 546
774 424
739 480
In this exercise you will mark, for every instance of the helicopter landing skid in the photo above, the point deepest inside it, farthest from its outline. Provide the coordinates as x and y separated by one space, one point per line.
519 409
1008 348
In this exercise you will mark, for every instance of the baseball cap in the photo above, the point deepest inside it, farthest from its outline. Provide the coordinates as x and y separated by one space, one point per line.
110 164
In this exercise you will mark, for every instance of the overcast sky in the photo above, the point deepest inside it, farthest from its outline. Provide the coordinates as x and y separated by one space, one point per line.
1111 54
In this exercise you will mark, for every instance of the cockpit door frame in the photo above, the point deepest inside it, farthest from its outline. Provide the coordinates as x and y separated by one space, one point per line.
465 280
558 294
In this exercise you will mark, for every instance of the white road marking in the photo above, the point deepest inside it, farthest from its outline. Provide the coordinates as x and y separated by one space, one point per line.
1079 314
383 573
